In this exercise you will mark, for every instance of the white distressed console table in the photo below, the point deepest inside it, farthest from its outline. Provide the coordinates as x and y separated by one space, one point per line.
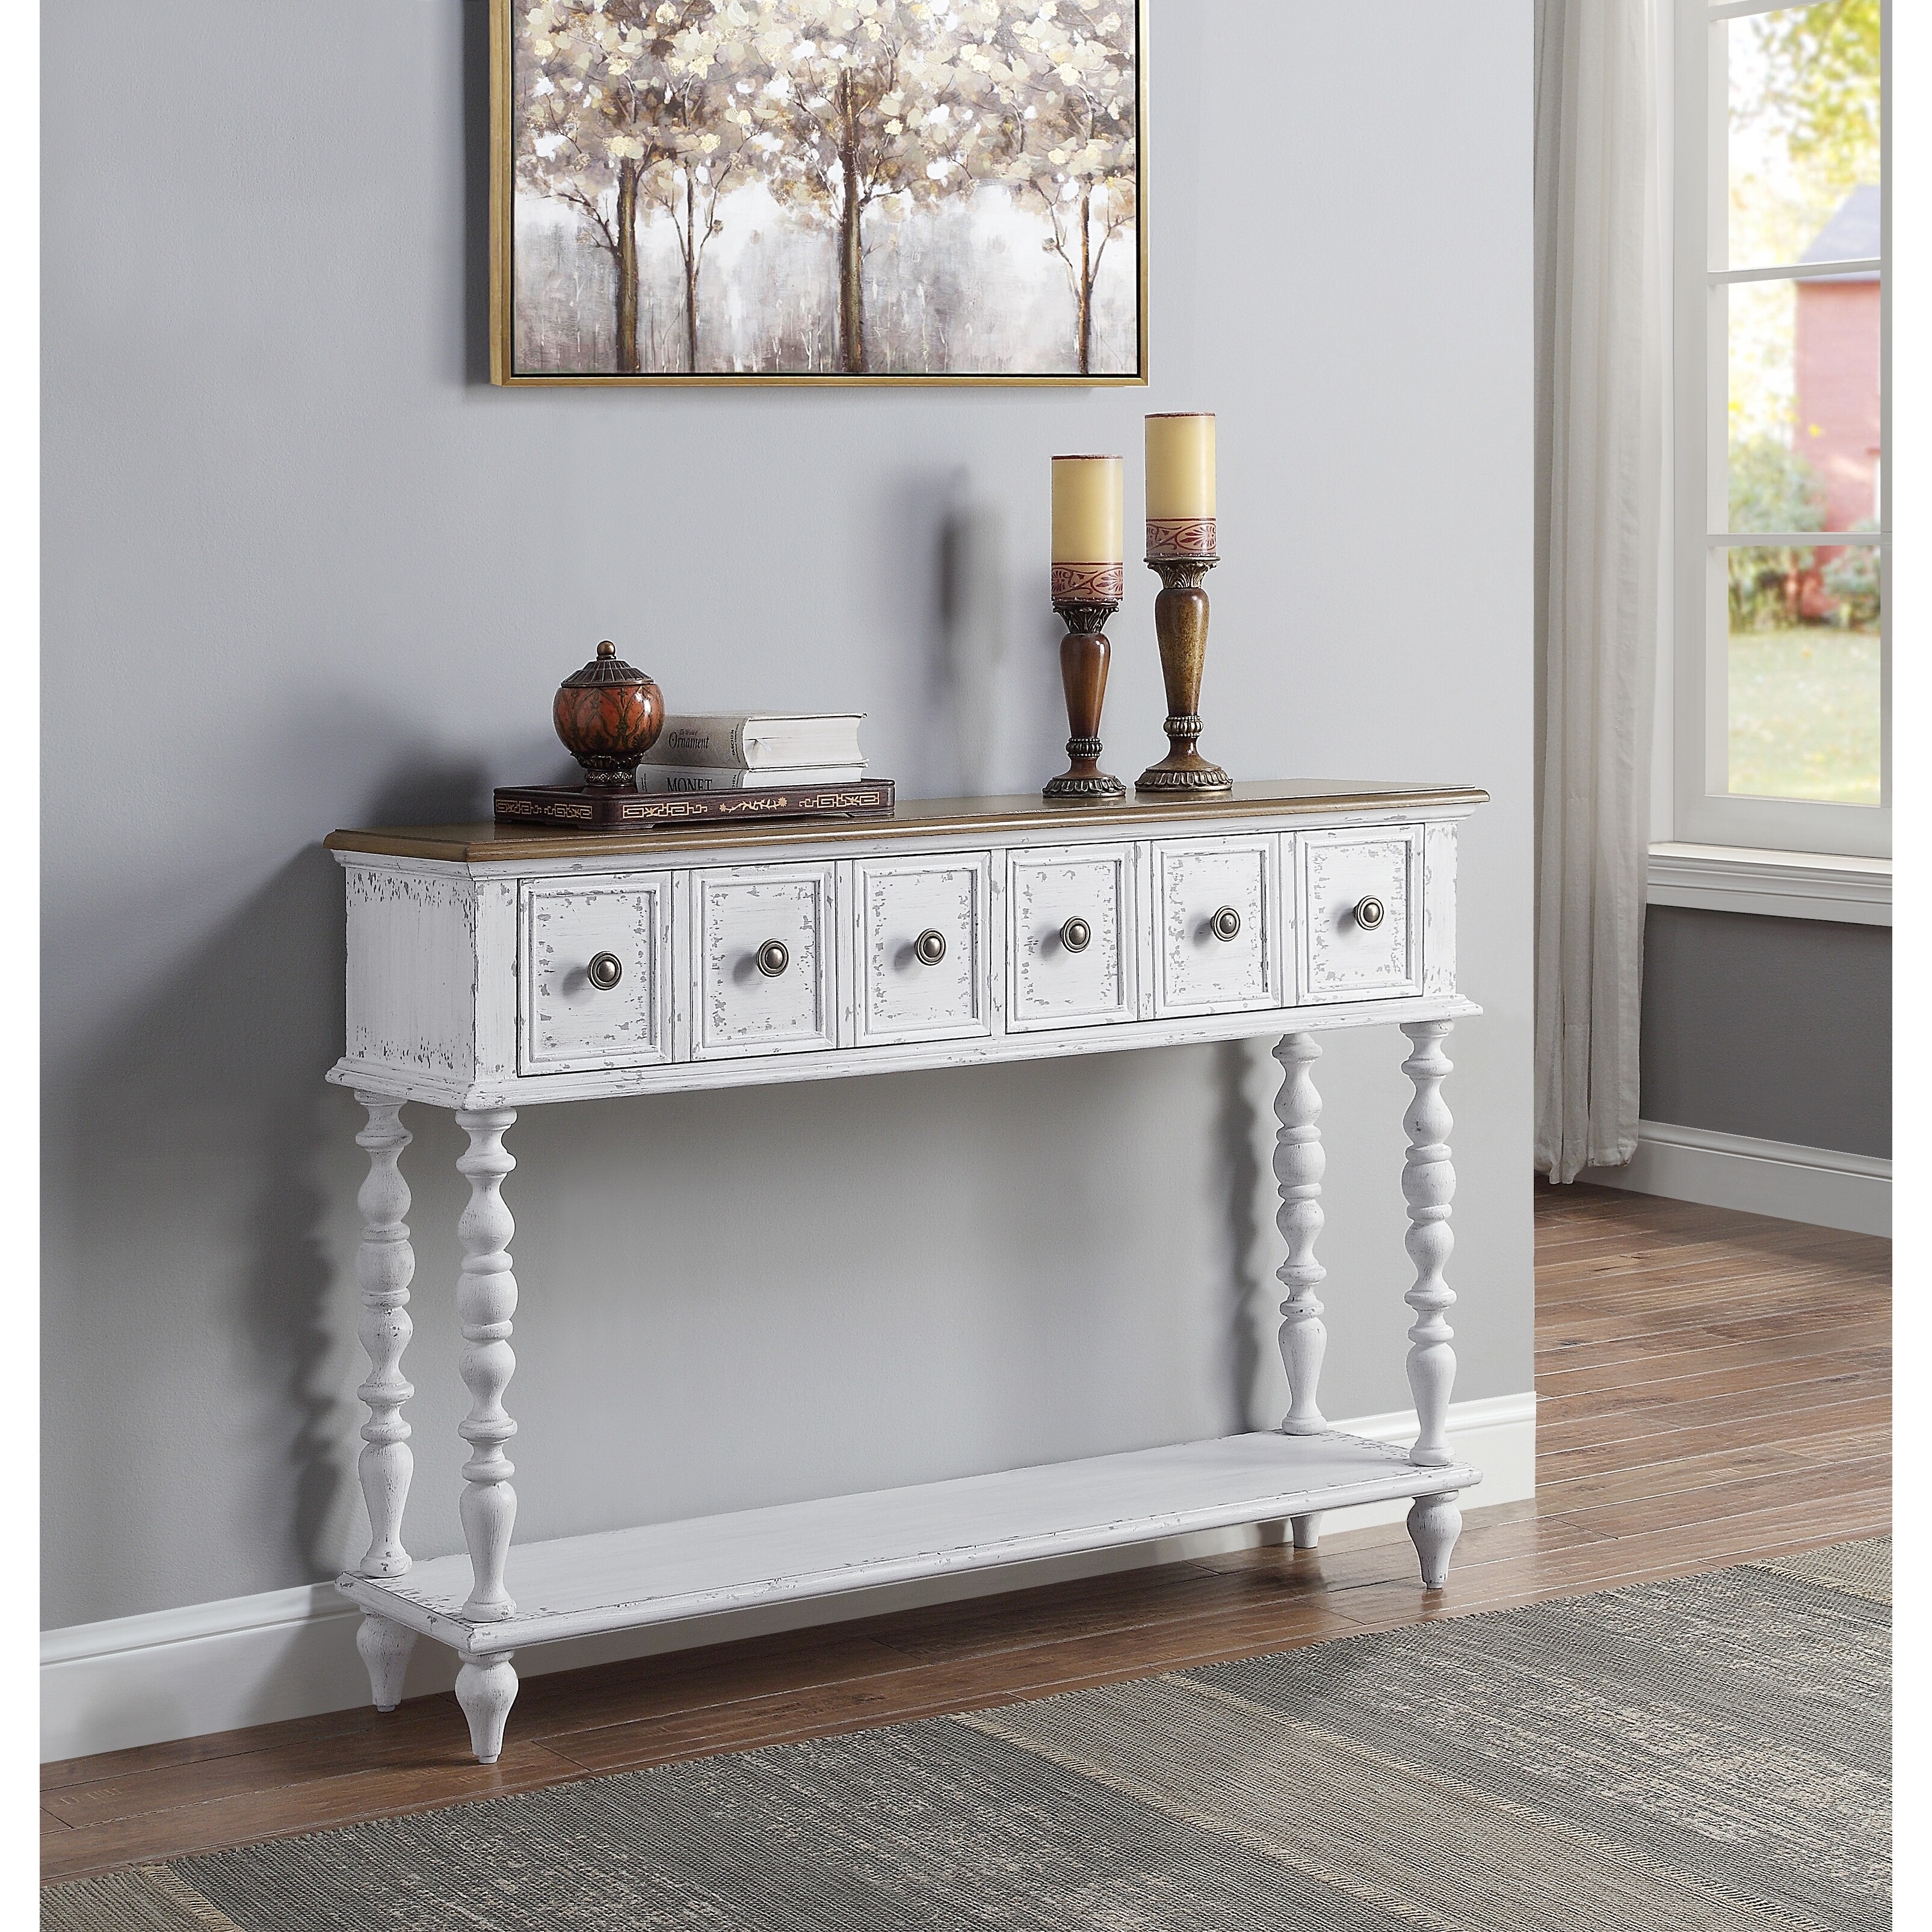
493 967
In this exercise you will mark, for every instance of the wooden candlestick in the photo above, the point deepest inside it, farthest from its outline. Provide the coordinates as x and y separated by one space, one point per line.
1084 653
1180 624
1089 580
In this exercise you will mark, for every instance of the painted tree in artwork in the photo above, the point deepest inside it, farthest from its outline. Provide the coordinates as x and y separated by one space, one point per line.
901 137
587 129
863 100
706 80
1066 84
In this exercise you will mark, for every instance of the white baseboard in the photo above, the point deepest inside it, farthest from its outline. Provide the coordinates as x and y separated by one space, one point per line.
256 1660
1817 1185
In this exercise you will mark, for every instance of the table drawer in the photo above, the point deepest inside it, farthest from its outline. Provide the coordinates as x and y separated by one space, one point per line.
593 990
1217 925
766 967
923 966
1360 938
1071 936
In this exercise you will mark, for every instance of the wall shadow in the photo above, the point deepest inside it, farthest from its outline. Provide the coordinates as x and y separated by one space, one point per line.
969 633
222 1062
455 792
953 589
1235 1121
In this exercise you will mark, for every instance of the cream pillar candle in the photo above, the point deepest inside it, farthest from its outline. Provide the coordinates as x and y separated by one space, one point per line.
1089 522
1180 486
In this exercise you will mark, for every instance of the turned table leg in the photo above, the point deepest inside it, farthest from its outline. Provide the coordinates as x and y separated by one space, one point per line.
486 1299
486 1691
385 1647
385 1265
1434 1524
1428 1185
1299 1163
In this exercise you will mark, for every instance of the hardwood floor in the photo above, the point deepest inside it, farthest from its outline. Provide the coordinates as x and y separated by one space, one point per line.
1713 1386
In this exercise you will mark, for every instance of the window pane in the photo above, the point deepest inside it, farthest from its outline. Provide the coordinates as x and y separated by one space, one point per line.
1803 134
1804 406
1803 673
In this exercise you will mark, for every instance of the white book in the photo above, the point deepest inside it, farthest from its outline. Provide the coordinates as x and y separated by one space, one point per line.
759 741
735 778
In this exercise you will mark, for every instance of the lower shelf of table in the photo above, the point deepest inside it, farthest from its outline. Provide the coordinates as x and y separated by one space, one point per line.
619 1579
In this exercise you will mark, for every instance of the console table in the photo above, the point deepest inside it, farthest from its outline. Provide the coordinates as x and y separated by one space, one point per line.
491 967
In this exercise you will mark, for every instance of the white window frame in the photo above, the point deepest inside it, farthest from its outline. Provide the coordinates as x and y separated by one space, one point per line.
1704 814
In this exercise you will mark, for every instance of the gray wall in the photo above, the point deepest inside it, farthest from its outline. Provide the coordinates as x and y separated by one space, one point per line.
1776 1028
305 568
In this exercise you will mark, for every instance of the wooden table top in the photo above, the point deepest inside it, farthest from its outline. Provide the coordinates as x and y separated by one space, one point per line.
914 818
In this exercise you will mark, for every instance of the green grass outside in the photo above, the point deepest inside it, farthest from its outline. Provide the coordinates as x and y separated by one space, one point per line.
1804 714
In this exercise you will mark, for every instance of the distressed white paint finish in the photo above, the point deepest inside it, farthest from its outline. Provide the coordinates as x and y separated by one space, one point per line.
739 1010
1053 985
1299 1163
664 1573
1438 909
385 1264
498 969
503 948
275 1655
1342 958
843 1064
1196 970
569 1024
903 997
486 1691
459 1038
384 1646
1434 1524
1429 1186
410 983
486 1300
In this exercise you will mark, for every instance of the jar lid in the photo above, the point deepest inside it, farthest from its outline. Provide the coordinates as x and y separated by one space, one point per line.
606 667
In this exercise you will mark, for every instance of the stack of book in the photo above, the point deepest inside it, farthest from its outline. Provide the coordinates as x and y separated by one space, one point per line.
743 751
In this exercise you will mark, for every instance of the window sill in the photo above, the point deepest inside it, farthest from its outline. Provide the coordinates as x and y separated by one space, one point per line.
1782 885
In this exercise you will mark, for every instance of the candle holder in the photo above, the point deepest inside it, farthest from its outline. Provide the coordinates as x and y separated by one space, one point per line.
1180 623
1084 596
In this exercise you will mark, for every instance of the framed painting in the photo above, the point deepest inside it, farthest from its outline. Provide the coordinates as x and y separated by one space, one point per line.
817 191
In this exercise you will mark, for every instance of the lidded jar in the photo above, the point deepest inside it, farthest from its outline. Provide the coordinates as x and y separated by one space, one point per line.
608 716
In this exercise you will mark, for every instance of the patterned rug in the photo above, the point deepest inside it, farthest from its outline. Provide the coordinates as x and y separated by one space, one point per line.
1709 1754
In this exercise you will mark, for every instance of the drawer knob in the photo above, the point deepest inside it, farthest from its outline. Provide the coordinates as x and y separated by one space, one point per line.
930 947
604 971
1225 923
773 958
1369 913
1075 934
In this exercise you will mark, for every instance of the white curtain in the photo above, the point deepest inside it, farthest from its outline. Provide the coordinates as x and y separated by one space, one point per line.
1600 450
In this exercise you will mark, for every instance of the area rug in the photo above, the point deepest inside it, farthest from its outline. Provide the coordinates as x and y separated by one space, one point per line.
1710 1753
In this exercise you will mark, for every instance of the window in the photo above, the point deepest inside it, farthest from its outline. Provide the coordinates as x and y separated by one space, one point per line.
1781 693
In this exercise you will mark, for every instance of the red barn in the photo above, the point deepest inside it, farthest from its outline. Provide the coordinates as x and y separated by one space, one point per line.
1836 352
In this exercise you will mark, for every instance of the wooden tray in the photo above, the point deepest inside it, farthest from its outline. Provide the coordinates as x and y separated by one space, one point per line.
607 809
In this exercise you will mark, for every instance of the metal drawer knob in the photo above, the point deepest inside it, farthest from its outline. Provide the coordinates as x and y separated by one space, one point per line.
1225 923
930 947
773 958
1369 913
604 971
1075 934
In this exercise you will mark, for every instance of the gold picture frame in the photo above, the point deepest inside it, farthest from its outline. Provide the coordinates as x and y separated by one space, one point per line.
672 107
